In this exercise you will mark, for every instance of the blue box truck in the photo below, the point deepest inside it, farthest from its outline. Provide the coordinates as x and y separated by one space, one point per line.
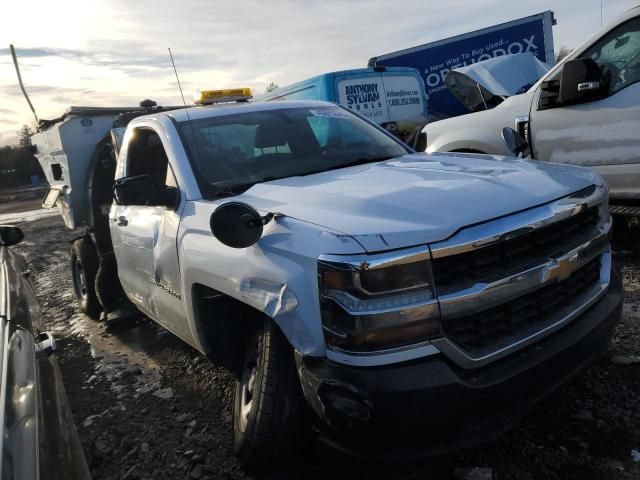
434 60
392 97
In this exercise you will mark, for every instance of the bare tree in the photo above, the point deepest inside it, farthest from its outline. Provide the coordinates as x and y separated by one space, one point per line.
562 52
18 164
271 87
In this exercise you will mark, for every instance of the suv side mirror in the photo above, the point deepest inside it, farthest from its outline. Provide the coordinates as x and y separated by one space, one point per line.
10 235
581 80
141 190
515 143
418 139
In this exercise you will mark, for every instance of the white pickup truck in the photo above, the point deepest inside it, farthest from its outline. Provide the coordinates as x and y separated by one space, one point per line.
431 299
584 111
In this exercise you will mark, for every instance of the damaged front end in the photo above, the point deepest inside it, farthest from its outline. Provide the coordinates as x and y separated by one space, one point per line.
340 405
486 84
445 346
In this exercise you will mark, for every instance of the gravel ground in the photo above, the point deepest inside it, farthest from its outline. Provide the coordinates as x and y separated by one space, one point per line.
147 406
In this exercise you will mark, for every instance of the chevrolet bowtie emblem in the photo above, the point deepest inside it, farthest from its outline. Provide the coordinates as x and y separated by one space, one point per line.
561 269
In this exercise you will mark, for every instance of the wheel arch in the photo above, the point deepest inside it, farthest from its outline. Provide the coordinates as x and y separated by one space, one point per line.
223 323
99 187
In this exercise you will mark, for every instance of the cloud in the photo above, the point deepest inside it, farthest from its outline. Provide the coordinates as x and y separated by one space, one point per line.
131 57
114 52
41 89
8 137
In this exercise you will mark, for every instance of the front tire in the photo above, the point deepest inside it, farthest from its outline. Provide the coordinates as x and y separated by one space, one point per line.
84 266
269 408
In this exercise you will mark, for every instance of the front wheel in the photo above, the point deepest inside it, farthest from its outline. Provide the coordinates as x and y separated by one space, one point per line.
269 408
84 266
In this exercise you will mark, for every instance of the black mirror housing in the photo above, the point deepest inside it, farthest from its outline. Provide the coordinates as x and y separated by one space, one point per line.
421 143
237 225
581 81
10 235
141 190
515 143
418 139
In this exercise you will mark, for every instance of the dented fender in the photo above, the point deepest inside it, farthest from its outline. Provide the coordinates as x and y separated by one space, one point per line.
271 297
277 275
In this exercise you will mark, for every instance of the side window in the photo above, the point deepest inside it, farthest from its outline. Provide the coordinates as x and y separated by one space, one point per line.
332 132
146 156
320 128
618 55
171 178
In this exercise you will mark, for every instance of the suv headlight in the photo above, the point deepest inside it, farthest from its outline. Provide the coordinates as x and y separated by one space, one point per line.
375 303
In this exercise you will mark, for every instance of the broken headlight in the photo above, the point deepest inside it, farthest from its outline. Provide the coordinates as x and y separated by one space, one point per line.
370 304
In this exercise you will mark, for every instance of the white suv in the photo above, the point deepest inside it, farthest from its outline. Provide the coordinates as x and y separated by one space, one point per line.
585 111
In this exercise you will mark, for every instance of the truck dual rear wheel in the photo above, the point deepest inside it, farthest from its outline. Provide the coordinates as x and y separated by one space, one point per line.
269 408
84 266
108 289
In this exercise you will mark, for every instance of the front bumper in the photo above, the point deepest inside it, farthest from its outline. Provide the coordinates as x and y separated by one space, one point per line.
429 406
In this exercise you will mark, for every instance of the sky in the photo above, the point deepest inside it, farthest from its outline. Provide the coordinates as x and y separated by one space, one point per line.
114 52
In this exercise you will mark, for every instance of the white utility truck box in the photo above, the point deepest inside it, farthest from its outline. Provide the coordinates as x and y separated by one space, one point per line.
66 149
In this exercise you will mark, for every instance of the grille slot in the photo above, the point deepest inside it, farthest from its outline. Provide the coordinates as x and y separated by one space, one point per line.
491 329
515 255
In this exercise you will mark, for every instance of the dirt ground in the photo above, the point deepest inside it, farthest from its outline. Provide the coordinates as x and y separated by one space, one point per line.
147 406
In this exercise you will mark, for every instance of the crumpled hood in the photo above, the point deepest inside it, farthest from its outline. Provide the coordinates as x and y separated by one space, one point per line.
417 198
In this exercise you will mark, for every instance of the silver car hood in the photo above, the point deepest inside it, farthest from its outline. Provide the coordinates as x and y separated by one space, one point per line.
417 198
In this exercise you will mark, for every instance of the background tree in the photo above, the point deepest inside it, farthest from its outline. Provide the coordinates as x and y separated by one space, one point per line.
271 87
18 164
24 136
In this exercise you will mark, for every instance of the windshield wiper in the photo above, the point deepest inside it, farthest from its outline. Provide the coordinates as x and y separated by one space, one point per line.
362 161
238 188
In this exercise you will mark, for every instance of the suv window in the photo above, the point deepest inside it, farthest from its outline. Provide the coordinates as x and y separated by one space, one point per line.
146 156
618 55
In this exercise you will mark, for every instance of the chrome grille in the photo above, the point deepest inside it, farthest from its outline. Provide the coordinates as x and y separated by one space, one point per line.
504 284
496 327
514 255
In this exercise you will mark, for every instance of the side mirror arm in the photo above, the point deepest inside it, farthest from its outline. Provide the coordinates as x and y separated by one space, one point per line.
252 221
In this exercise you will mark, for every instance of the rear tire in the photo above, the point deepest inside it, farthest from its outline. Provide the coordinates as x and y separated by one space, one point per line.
108 289
269 408
84 266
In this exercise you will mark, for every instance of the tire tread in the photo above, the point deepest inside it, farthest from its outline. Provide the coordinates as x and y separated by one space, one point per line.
279 427
84 249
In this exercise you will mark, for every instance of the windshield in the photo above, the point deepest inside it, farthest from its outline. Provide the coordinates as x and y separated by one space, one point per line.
232 152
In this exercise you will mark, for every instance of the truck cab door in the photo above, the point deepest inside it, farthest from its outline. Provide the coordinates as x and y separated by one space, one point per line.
144 233
601 133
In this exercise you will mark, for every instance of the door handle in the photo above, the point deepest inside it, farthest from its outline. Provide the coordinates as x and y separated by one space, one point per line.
121 221
45 345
